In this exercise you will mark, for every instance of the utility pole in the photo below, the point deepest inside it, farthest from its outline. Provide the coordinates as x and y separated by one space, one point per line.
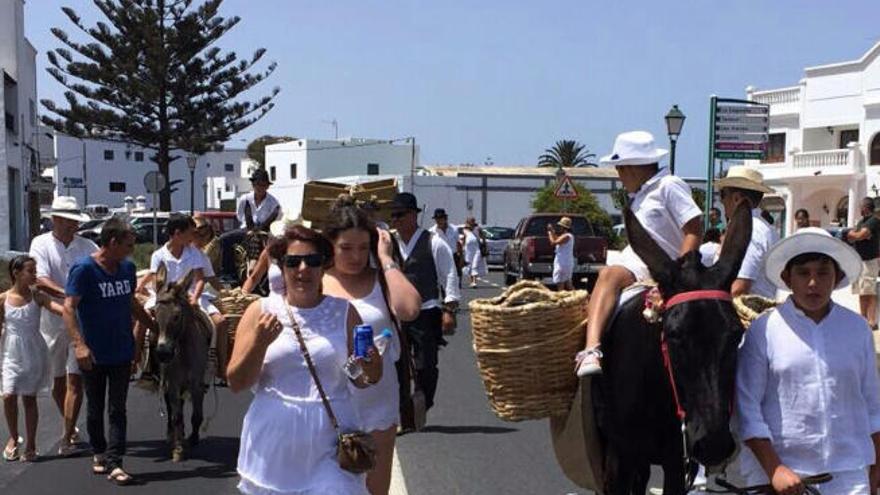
85 176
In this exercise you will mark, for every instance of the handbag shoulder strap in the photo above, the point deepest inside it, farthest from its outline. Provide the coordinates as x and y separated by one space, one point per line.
311 366
404 342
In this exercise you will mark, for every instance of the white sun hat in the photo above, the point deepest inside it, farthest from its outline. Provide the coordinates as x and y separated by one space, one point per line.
278 227
812 240
634 148
67 207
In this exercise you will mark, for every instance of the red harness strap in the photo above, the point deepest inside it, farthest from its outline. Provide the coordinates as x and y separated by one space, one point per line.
684 297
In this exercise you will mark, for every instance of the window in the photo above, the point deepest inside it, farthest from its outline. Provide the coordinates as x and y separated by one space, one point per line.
875 150
32 108
117 187
227 188
229 167
272 174
775 148
108 154
138 156
372 169
848 136
293 171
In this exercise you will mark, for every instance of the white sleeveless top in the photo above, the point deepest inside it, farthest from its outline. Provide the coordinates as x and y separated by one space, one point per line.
565 253
276 279
379 404
288 443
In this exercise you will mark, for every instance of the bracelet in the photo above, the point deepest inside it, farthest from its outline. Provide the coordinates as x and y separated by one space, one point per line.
391 266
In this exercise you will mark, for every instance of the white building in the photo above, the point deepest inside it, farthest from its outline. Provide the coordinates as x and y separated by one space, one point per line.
19 144
105 172
293 163
824 148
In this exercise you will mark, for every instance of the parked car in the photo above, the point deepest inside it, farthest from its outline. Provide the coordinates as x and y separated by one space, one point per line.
529 254
91 230
496 241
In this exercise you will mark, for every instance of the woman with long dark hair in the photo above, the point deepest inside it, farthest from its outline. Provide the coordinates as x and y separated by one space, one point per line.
381 295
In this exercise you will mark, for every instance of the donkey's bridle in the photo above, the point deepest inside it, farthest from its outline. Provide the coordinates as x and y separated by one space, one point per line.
681 298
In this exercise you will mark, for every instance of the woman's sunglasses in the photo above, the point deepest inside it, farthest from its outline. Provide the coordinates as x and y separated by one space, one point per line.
313 260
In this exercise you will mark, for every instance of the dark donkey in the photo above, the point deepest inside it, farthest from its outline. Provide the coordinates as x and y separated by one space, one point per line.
182 352
637 409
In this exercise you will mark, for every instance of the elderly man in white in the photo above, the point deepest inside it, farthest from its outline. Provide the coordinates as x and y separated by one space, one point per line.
55 252
746 184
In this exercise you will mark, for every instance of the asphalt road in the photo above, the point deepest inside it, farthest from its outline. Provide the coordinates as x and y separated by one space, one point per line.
464 450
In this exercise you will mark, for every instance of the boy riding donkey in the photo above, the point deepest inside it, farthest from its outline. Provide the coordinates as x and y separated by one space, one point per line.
663 205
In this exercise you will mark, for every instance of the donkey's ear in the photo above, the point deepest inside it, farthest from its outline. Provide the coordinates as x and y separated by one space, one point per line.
736 242
183 284
161 276
659 264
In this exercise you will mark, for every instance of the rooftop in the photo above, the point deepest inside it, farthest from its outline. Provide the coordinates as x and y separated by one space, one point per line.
469 170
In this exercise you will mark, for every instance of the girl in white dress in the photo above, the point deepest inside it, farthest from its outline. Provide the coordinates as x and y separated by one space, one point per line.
288 443
474 261
24 356
355 241
563 261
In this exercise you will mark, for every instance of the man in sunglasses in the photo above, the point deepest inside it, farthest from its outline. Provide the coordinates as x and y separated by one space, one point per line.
429 266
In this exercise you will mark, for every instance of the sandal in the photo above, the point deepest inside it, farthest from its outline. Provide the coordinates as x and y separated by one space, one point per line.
119 477
12 454
29 456
588 362
99 465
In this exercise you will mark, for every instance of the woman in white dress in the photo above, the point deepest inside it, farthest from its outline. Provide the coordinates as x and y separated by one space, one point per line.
373 292
24 356
474 261
563 261
288 443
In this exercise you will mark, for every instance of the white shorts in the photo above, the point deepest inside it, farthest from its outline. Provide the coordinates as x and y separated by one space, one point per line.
631 261
62 358
204 303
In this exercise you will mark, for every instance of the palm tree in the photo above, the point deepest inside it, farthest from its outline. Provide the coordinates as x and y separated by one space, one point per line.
567 154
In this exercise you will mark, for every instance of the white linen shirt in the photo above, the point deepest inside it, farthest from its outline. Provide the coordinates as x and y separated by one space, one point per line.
763 238
663 205
260 213
810 388
54 259
450 237
447 275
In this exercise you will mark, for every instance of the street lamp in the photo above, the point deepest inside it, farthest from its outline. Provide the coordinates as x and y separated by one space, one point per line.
191 163
674 123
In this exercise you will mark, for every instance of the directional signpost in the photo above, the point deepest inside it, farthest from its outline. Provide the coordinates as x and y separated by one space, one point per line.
738 130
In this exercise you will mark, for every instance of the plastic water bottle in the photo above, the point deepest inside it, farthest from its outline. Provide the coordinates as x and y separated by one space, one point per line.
382 341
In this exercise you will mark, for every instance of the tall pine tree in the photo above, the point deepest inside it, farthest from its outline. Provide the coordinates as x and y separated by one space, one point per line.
153 77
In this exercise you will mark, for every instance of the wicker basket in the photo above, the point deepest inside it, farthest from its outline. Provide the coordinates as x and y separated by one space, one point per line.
525 341
232 304
749 307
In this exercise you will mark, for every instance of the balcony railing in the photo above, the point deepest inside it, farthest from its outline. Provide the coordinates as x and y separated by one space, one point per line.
829 158
778 96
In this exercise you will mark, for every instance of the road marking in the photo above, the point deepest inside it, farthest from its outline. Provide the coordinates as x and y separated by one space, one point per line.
398 484
489 283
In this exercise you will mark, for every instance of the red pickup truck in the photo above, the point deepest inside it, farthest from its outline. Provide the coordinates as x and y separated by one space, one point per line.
529 254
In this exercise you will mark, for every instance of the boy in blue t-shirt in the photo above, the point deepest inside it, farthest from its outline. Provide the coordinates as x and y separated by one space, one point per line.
97 314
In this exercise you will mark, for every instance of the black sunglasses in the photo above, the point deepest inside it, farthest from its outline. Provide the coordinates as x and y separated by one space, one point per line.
313 260
399 214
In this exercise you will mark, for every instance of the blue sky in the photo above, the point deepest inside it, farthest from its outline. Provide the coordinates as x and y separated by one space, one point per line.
506 79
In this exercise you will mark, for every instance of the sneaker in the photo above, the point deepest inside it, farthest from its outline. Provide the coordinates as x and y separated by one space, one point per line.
588 363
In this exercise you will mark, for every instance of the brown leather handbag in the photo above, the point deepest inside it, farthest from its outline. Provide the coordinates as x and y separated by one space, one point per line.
355 450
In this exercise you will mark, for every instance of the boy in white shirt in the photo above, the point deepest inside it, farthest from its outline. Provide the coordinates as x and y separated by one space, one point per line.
663 205
807 391
180 257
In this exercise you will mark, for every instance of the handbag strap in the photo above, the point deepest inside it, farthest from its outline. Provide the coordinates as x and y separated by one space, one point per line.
311 366
404 341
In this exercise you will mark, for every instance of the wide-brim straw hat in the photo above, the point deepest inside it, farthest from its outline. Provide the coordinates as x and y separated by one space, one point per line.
634 148
812 240
278 227
742 177
564 222
67 207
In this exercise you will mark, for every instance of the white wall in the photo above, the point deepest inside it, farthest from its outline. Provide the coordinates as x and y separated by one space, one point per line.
123 168
318 159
